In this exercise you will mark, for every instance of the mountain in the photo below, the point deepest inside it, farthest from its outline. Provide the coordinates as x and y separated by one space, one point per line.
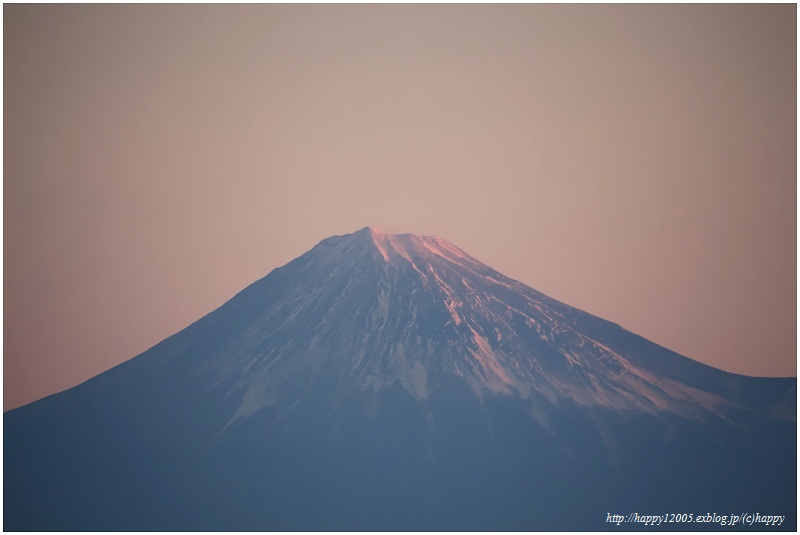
394 382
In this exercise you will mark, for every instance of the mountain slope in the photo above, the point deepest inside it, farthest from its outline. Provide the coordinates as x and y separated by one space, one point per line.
394 382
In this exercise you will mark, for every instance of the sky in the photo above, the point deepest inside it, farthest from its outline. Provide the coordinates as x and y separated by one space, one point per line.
635 161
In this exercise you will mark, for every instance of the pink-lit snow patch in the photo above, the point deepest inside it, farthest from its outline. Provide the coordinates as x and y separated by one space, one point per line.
380 243
451 301
409 245
488 360
448 250
392 246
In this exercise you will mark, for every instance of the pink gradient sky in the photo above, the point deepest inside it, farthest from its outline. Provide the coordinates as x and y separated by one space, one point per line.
637 162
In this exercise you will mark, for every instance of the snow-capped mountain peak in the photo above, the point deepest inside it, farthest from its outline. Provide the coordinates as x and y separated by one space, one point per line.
372 308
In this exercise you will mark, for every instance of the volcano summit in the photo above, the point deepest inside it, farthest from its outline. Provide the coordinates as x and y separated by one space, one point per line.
394 382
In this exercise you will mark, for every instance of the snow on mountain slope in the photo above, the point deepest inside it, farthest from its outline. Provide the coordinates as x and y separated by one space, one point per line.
387 307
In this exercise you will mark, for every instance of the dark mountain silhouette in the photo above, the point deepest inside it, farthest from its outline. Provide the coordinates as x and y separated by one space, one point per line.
393 382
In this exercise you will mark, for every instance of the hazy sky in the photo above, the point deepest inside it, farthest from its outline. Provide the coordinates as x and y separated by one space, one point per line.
637 162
